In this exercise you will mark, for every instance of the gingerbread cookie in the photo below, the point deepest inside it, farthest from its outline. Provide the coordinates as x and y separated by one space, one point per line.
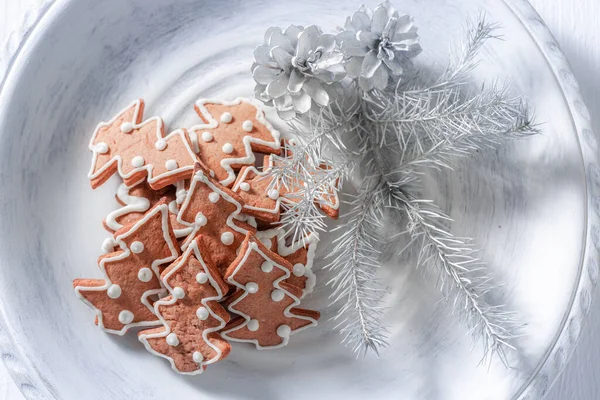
136 200
137 150
191 315
211 210
329 201
300 254
266 305
263 199
122 299
260 199
231 132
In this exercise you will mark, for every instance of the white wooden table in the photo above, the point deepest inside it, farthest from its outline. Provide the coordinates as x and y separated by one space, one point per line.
575 25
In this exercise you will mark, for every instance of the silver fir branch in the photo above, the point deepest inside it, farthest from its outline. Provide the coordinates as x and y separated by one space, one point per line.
355 261
462 277
433 130
396 136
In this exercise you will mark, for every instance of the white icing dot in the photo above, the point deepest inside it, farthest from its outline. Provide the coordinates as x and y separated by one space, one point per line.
252 287
108 246
253 325
227 238
126 127
245 186
274 194
199 177
171 165
145 275
125 317
207 136
161 144
102 148
299 270
198 357
267 266
137 247
201 219
138 161
266 241
227 148
114 291
212 173
201 278
173 340
178 292
277 295
214 197
202 313
226 118
247 126
284 331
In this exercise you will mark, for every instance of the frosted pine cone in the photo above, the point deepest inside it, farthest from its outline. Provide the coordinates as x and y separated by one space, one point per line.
378 44
295 68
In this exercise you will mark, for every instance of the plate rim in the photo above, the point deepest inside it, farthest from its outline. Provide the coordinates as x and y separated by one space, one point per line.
554 361
33 386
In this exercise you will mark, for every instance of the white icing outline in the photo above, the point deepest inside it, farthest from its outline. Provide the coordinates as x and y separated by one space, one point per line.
253 246
132 204
119 240
192 248
248 219
284 250
199 176
149 168
140 205
194 139
248 139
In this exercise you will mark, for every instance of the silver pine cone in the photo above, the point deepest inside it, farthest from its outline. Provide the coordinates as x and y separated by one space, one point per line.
378 44
297 68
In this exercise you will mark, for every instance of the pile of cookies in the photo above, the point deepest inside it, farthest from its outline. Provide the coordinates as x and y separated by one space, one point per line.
196 256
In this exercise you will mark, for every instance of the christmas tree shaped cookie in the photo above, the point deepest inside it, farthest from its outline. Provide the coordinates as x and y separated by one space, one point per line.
260 199
191 315
137 150
300 254
123 299
230 133
211 210
266 305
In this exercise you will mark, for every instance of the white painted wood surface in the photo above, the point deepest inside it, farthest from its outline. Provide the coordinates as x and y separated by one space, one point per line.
575 24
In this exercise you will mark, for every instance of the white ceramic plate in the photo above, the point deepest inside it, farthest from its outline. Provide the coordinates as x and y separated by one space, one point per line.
533 206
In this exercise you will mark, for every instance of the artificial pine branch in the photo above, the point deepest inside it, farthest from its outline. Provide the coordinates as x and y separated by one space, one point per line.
355 261
463 279
396 135
465 54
